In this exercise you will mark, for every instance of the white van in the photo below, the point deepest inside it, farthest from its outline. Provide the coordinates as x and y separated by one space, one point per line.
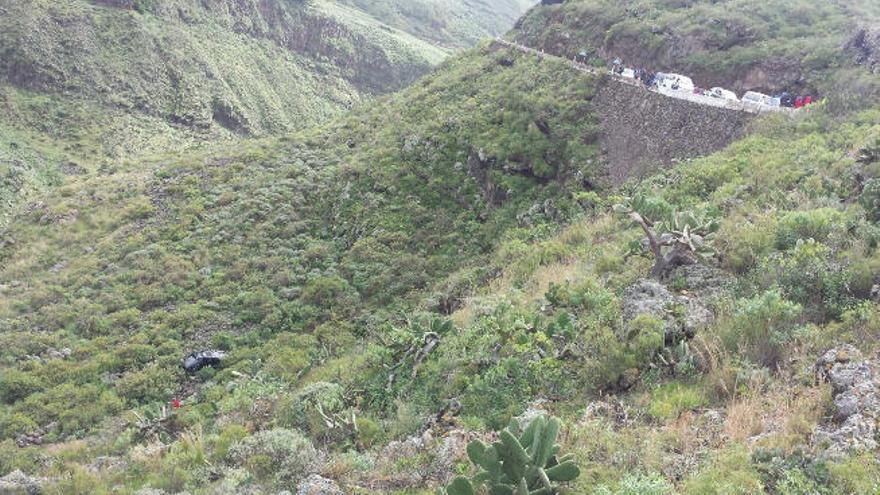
759 99
724 94
674 82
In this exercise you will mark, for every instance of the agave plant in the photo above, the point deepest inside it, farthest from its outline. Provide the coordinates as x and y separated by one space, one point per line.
520 463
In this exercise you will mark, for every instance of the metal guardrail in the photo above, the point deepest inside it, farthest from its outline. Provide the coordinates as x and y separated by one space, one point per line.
738 106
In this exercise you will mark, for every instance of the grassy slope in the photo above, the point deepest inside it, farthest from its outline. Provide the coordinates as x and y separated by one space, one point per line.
198 61
295 255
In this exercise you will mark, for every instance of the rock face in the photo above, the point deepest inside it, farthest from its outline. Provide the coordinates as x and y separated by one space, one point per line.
443 452
641 129
650 297
864 47
854 388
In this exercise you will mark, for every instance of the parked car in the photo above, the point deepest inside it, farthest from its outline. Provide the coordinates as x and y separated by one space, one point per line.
674 82
760 99
724 94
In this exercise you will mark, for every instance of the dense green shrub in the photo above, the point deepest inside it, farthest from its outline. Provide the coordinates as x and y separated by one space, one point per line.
762 326
16 385
809 276
803 225
308 409
153 384
742 242
857 474
670 400
795 473
281 455
870 199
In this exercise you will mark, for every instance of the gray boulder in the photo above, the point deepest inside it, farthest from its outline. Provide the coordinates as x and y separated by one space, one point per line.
318 485
18 482
854 389
682 315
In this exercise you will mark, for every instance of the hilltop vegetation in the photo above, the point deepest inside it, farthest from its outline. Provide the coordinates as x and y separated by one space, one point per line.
247 68
414 274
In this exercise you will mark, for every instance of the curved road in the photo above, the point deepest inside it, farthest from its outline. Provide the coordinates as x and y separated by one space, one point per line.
738 106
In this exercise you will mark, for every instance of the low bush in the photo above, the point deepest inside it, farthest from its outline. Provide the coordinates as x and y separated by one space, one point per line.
638 484
762 326
811 277
802 225
309 409
730 472
742 242
670 400
858 474
282 455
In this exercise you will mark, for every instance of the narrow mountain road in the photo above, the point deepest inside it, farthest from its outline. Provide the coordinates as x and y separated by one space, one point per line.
738 106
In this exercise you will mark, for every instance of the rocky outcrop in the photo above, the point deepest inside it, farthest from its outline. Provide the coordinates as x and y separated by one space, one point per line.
650 297
18 482
443 453
855 388
641 130
864 48
318 485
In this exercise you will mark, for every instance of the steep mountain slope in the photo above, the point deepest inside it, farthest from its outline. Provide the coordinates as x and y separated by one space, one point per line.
322 240
103 81
250 67
454 24
414 274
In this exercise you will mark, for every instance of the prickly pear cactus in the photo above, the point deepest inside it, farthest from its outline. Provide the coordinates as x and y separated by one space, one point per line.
521 463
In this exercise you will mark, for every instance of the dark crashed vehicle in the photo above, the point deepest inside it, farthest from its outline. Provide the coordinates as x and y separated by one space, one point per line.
198 360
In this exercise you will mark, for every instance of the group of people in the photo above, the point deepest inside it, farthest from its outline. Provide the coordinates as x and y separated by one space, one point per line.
795 101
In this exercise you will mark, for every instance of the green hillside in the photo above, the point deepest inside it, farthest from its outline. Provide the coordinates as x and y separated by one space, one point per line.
457 24
97 82
399 280
315 242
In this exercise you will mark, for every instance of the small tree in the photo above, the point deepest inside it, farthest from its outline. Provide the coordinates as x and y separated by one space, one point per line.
674 238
